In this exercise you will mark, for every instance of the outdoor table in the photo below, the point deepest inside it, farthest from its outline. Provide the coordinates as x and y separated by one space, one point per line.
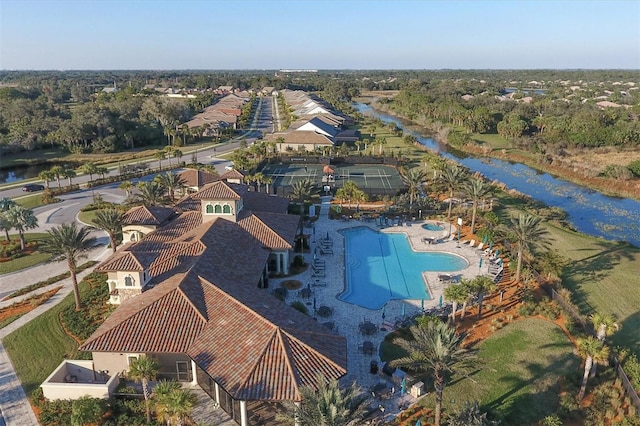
368 328
367 347
324 311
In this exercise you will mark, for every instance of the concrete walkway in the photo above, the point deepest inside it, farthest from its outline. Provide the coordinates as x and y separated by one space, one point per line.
14 405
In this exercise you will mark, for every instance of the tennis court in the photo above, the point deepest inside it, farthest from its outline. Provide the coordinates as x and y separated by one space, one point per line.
368 177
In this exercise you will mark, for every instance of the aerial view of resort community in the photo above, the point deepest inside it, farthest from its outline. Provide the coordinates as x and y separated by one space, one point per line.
198 243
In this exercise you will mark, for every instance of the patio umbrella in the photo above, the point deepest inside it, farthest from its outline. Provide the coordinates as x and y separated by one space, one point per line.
440 302
403 310
403 386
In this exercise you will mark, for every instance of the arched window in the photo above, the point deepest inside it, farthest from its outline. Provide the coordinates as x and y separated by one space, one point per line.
218 208
209 209
226 209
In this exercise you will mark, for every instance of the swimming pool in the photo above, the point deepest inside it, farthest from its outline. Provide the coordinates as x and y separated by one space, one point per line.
380 267
432 227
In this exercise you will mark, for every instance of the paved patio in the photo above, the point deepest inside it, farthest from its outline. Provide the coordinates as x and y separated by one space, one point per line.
347 317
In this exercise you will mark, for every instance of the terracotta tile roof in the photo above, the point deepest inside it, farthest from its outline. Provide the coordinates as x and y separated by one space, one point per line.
232 174
221 190
127 261
143 215
260 201
275 231
197 178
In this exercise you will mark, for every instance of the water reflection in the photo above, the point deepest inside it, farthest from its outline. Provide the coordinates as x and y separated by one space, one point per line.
589 211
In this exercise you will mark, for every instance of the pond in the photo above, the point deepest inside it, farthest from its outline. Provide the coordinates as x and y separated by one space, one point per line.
589 211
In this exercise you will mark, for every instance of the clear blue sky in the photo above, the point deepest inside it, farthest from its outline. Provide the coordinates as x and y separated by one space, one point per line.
340 34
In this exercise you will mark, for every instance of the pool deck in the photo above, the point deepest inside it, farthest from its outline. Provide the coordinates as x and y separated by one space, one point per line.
346 317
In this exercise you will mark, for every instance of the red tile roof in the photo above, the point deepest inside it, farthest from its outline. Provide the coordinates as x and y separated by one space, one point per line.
143 215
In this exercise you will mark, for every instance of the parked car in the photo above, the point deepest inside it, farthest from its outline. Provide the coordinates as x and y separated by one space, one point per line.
33 187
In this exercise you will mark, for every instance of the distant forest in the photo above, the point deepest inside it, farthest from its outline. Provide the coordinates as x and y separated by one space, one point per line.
543 111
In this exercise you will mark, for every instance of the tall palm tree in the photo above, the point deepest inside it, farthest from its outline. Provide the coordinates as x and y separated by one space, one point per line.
476 189
327 404
151 193
302 191
605 325
144 369
592 351
527 233
414 180
69 243
57 172
5 222
47 176
21 219
456 293
110 221
127 185
452 177
481 285
173 404
435 348
90 169
170 182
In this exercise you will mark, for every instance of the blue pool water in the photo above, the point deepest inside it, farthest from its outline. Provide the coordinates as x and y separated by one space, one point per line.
380 267
432 227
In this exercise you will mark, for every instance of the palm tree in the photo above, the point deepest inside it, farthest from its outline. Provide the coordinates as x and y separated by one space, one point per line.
89 169
5 223
327 405
435 348
414 180
481 285
46 176
592 350
67 242
57 172
21 219
173 404
452 176
69 174
171 182
127 185
151 193
160 155
527 233
143 369
456 293
110 221
302 191
476 189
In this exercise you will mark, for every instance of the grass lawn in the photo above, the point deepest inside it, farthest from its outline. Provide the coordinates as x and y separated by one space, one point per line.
517 373
38 347
603 277
26 261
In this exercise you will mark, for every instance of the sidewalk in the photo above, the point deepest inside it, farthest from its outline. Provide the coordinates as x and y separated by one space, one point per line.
14 405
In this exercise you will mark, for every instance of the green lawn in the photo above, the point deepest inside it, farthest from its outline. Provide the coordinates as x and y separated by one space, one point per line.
517 374
38 347
26 261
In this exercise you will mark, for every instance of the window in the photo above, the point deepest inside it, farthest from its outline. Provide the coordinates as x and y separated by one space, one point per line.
209 209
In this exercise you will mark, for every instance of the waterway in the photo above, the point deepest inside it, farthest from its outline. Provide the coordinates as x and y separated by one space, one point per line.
589 211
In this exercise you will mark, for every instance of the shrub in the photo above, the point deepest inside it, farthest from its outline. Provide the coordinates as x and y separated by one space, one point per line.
299 306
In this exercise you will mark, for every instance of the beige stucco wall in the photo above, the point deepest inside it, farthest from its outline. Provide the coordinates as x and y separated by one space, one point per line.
86 382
